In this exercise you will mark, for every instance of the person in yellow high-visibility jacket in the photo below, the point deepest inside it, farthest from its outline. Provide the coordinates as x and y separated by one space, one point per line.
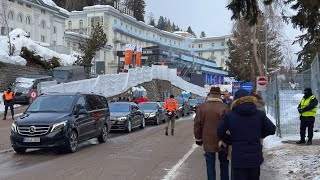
308 110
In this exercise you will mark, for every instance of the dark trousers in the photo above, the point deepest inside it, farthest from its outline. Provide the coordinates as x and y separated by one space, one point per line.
246 173
7 105
303 126
211 165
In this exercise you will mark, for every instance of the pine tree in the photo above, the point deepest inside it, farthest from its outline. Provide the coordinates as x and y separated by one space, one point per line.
173 27
161 23
94 43
152 20
138 6
203 34
169 26
190 31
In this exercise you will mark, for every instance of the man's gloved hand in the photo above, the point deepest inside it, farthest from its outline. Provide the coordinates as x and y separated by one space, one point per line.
300 111
199 143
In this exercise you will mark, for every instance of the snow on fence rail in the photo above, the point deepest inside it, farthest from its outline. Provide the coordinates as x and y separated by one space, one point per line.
114 84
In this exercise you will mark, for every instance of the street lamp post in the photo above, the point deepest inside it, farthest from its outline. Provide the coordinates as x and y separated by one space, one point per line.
266 40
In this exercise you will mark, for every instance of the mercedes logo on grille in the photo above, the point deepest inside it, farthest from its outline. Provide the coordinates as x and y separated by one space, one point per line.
32 129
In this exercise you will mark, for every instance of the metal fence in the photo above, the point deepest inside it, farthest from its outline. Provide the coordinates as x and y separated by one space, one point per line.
284 94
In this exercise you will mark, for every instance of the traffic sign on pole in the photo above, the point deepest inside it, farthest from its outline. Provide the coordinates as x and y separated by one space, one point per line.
262 83
33 94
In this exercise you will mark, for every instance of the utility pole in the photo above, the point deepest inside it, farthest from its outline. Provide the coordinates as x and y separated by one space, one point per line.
266 40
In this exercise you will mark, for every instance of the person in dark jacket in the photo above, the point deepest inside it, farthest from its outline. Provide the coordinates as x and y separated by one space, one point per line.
308 111
208 117
247 126
8 98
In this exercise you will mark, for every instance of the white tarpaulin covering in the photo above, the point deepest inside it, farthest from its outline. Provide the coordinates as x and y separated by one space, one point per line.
114 84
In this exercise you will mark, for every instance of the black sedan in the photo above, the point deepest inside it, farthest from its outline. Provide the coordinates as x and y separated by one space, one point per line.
193 104
153 112
126 116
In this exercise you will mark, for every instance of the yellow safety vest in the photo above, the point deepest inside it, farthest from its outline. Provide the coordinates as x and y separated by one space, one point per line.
304 103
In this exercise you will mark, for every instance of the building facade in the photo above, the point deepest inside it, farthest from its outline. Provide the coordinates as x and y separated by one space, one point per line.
121 29
43 22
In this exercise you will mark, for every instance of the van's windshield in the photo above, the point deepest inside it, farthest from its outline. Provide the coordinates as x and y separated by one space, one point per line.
23 85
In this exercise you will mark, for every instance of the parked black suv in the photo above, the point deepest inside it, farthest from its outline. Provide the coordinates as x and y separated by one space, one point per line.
61 120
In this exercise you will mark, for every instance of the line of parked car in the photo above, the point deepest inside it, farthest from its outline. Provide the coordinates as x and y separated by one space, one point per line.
65 120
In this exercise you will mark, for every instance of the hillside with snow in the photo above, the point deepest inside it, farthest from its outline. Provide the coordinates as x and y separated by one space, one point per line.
19 38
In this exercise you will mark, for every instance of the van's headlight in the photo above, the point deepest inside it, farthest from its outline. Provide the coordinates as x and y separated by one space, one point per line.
58 126
14 127
152 115
180 108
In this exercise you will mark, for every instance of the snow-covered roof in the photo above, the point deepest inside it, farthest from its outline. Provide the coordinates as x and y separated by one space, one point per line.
96 7
53 4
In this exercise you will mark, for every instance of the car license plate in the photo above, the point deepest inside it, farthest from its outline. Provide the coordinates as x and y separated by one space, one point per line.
36 139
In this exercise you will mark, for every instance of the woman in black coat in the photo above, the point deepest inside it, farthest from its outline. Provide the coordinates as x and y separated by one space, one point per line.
247 126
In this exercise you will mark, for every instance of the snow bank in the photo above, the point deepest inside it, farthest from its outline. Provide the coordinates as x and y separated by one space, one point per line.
19 39
114 84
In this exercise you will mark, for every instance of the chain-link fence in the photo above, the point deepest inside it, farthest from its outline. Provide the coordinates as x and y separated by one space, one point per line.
284 94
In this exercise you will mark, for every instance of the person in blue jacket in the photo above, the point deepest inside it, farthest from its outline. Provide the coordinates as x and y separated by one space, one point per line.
247 126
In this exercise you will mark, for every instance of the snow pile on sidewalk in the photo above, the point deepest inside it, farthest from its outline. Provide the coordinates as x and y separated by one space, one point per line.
114 84
19 39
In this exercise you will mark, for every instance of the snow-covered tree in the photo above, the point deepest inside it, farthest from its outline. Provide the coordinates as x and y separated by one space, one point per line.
203 34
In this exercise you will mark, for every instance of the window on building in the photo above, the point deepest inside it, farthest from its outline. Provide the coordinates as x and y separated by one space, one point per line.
200 46
115 21
69 25
131 28
126 26
54 29
10 15
81 24
20 18
200 54
222 43
28 6
135 30
140 32
43 24
20 3
154 36
222 53
212 44
43 38
54 43
28 20
11 0
212 53
3 29
192 46
43 11
121 24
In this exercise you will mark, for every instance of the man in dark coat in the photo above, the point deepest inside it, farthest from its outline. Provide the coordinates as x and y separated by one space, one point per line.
208 117
308 111
227 98
247 126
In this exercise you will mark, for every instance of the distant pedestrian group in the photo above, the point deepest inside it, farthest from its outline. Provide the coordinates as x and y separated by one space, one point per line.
234 130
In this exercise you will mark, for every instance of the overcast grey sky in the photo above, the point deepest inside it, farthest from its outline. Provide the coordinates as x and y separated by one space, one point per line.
210 16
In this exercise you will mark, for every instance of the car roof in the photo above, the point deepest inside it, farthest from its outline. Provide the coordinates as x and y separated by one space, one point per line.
129 103
69 94
35 77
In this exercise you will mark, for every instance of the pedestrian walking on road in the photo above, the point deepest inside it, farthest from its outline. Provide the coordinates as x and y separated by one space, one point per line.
171 105
247 126
208 117
308 111
227 98
8 98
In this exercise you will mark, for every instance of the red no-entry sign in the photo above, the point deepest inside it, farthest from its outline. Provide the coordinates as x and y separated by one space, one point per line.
33 94
262 83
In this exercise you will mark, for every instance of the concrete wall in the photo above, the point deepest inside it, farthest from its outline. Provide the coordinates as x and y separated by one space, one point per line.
155 91
10 72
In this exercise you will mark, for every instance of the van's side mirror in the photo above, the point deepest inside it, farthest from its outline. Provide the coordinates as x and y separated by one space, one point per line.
82 111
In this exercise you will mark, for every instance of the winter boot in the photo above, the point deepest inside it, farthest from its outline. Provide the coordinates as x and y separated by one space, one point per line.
309 142
172 132
12 117
166 131
4 117
302 141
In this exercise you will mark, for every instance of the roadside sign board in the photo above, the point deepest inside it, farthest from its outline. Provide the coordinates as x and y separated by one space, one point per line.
262 83
33 95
